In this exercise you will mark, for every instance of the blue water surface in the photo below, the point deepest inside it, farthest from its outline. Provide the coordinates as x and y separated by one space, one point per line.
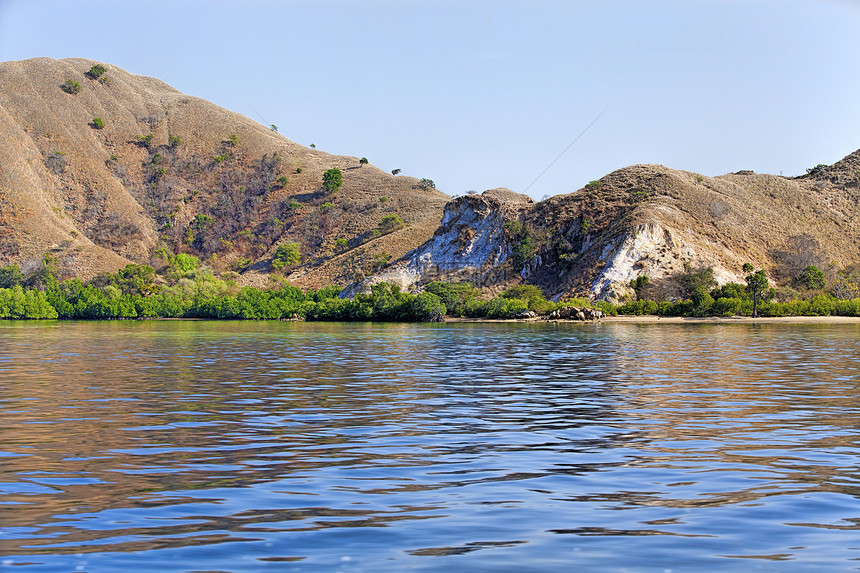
276 446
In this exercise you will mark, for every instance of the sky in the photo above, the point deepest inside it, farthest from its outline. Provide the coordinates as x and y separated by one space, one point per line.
539 96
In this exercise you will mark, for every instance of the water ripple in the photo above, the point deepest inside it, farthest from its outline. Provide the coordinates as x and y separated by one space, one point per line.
192 446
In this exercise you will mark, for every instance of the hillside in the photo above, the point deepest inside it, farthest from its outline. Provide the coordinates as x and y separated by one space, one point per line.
645 220
102 170
170 173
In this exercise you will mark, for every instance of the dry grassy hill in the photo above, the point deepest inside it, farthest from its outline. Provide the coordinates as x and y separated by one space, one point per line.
646 220
160 172
172 171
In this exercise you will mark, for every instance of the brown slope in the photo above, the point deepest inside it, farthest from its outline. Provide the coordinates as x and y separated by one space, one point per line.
101 198
646 220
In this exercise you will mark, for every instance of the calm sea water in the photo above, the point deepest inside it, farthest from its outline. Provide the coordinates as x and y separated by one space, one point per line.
238 446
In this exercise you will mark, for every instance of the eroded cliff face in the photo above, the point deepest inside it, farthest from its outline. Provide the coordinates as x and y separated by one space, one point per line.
640 220
470 244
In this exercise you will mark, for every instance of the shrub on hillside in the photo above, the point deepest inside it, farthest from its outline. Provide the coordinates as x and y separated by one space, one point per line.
96 71
332 180
71 87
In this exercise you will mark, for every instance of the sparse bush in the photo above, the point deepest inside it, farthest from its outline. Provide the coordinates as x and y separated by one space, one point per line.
96 71
298 169
56 162
362 161
515 228
174 141
817 169
71 87
383 199
326 206
639 284
524 251
426 184
332 180
232 140
220 158
286 255
281 182
98 123
594 185
391 223
691 279
396 171
144 140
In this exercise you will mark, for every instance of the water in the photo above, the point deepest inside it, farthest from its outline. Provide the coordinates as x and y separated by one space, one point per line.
206 446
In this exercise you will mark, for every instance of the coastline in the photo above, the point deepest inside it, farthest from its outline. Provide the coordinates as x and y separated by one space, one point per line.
655 319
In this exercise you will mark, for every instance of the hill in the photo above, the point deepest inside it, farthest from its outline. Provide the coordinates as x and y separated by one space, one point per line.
102 168
645 220
106 169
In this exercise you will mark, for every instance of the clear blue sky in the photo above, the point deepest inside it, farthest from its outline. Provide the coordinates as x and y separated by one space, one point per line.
482 94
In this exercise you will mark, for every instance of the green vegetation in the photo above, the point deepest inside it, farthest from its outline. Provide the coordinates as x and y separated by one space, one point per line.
812 278
396 171
362 161
232 140
817 169
594 185
426 184
525 243
10 276
332 180
185 290
145 140
174 141
390 223
286 255
96 71
756 284
71 87
98 123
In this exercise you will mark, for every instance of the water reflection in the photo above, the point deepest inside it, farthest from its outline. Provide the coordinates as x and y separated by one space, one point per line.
232 446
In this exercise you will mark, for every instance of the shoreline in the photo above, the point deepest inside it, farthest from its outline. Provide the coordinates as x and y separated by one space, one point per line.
655 319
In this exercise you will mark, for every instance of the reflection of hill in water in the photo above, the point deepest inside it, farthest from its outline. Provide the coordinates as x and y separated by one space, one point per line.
153 412
780 400
138 436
